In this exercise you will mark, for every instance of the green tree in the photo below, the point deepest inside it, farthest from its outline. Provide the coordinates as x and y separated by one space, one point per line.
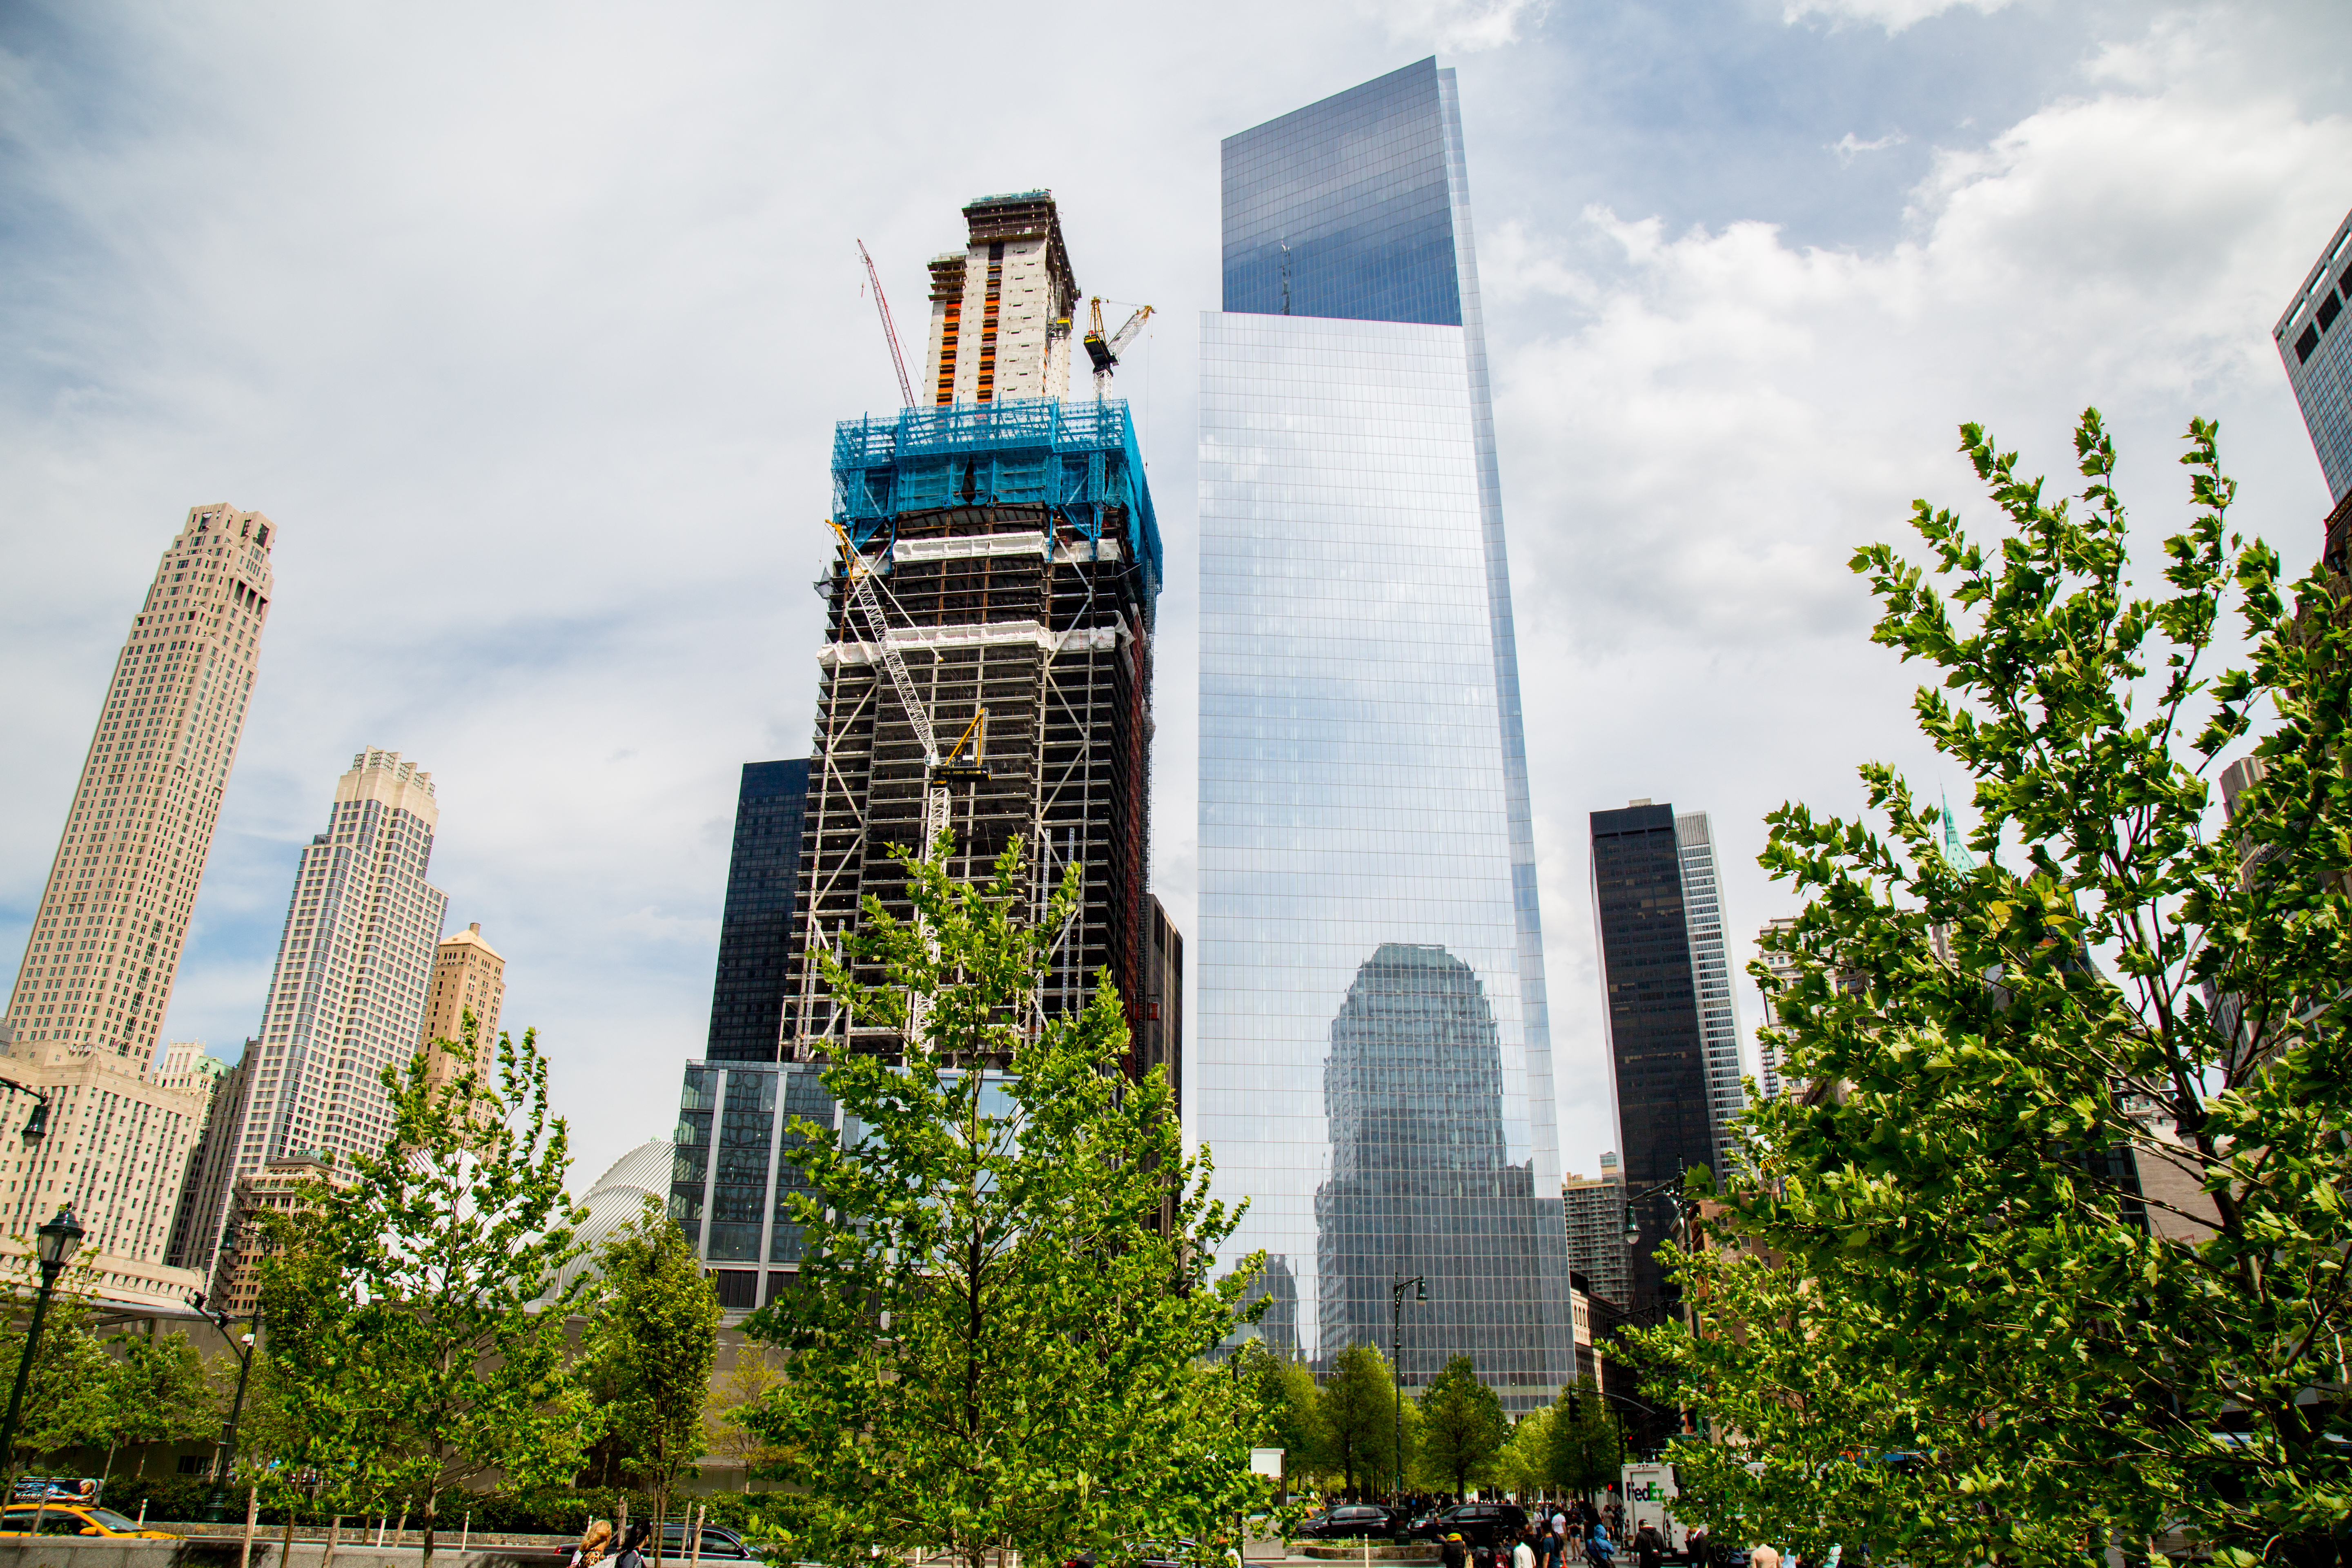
1285 1394
157 1392
756 1372
1524 1466
65 1393
1582 1452
655 1333
1461 1427
2074 1199
316 1432
444 1247
1356 1416
995 1340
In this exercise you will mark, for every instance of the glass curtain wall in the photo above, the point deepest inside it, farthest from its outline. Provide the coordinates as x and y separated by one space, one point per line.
1373 1061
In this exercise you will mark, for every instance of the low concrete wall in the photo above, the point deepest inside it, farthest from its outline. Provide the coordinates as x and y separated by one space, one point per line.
220 1551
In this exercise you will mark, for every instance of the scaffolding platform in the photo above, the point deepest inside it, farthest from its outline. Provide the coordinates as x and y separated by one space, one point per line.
1078 457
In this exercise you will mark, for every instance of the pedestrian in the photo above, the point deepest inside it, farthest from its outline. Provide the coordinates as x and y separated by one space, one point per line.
1523 1551
593 1541
1649 1546
1455 1554
1599 1548
632 1554
1764 1556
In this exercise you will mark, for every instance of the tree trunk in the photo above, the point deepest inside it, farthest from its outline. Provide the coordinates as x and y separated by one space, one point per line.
286 1542
432 1514
334 1528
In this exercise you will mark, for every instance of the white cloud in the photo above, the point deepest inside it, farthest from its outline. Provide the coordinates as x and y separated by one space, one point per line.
1892 14
1689 462
1849 147
1464 26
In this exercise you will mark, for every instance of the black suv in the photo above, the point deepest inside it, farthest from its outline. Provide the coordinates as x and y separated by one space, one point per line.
1477 1523
719 1544
1353 1522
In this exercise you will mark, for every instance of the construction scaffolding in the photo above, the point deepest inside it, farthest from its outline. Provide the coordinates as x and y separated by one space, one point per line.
1015 550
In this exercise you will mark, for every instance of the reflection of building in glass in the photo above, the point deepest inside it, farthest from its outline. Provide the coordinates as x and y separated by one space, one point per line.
1422 1181
1278 1328
1596 1230
1674 1033
1364 777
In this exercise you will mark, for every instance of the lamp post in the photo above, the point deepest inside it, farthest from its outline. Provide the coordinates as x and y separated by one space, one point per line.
217 1504
54 1246
1420 1285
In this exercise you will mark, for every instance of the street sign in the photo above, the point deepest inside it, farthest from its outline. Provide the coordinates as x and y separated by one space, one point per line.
1266 1462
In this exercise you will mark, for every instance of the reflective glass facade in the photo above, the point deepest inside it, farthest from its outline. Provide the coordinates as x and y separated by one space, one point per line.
1373 1065
730 1186
747 1002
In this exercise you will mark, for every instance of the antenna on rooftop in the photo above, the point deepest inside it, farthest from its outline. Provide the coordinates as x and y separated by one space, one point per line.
889 332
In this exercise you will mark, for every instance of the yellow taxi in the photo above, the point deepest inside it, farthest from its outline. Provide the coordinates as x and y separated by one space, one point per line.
74 1519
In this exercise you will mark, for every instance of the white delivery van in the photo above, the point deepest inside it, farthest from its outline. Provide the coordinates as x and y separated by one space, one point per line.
1649 1491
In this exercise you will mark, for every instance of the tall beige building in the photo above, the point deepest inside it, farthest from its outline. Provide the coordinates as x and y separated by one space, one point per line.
185 1066
347 995
468 976
279 1186
106 940
117 1149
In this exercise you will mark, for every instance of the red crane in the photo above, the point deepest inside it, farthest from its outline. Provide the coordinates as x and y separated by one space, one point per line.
898 360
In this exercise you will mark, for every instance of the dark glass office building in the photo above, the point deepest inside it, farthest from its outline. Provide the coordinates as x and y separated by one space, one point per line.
1657 1044
1372 1060
747 1003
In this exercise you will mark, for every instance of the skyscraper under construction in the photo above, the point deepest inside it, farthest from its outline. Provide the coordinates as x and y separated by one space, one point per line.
1001 655
986 670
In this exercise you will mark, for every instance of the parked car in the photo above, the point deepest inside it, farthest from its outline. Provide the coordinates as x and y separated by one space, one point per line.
76 1518
1354 1521
1477 1523
719 1542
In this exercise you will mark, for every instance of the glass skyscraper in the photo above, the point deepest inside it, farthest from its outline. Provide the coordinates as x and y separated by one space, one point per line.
1373 1059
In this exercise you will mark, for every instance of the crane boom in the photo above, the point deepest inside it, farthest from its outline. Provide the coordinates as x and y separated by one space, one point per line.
890 332
861 594
1102 349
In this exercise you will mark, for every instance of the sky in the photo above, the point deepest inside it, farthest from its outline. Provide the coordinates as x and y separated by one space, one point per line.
528 325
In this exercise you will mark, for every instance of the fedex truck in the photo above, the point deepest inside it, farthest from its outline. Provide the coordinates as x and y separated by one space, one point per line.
1649 1491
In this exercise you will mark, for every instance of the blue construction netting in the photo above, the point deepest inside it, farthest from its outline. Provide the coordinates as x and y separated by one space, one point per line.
1078 457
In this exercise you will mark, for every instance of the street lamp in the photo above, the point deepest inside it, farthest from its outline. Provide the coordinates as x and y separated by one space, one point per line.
53 1246
216 1505
37 1126
1420 1285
